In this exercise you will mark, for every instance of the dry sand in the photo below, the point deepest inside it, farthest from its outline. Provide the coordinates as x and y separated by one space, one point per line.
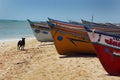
40 61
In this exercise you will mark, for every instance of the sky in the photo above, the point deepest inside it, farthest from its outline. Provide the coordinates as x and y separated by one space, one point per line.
40 10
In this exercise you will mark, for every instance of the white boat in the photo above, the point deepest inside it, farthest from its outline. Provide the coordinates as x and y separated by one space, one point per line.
41 31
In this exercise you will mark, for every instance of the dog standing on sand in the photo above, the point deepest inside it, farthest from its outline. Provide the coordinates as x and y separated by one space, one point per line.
21 44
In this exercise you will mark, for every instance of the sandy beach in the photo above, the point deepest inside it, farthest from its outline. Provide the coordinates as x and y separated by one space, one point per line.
40 61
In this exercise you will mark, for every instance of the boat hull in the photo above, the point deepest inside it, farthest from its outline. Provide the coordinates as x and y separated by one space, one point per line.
108 58
42 35
41 31
70 41
108 51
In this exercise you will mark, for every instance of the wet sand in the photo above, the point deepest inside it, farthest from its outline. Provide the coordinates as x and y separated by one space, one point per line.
40 61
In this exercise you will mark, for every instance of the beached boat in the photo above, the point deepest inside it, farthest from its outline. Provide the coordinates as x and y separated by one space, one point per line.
41 31
70 39
98 24
107 27
107 46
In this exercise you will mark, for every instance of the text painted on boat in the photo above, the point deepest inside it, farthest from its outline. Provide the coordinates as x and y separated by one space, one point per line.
113 42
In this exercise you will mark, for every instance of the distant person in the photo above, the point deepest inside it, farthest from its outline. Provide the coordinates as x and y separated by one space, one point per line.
21 44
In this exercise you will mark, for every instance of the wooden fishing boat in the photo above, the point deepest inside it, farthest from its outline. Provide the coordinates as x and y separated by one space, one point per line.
41 31
98 24
70 39
107 27
107 46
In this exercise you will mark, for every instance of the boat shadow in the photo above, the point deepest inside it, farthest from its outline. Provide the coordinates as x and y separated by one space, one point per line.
85 55
111 75
46 43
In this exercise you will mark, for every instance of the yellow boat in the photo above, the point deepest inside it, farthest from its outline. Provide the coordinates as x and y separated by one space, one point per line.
70 39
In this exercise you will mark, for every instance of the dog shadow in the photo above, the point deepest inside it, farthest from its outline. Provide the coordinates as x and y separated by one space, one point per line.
22 49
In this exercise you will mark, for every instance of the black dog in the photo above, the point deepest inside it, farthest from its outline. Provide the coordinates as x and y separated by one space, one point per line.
21 44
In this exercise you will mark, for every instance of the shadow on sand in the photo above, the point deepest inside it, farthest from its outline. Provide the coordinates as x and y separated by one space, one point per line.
46 44
86 55
112 75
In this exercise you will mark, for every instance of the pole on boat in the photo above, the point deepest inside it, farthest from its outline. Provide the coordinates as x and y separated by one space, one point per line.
91 21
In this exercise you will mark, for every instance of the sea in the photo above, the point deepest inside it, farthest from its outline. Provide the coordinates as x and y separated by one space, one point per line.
15 29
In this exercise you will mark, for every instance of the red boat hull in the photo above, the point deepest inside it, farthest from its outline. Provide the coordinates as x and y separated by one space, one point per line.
108 58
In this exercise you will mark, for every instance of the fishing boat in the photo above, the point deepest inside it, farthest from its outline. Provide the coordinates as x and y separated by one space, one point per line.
98 24
70 39
107 47
41 31
107 27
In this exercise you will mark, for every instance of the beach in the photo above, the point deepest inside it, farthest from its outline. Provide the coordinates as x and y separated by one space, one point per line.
40 61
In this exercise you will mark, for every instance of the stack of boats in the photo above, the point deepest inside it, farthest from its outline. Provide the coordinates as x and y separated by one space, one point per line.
87 38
